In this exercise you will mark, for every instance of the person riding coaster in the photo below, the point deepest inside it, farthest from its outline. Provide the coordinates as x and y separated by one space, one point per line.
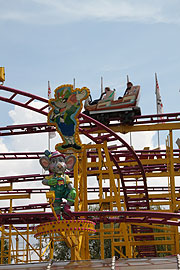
108 93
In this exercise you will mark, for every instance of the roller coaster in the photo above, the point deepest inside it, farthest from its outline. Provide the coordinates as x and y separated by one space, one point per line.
123 109
142 218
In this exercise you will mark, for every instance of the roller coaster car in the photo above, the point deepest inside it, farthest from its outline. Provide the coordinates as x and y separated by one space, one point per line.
123 109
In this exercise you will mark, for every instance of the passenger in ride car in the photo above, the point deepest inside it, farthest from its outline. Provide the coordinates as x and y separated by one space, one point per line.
105 95
129 85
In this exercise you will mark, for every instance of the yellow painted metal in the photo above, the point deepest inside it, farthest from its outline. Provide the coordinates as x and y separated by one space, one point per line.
26 240
27 244
46 247
17 249
108 200
164 228
84 248
118 203
51 246
173 205
68 226
10 235
99 164
170 166
40 247
81 203
150 243
6 188
79 184
2 74
139 128
73 232
84 178
2 230
121 237
14 196
2 244
51 198
76 182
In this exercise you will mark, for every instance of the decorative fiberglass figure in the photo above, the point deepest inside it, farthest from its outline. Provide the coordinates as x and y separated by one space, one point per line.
66 107
58 181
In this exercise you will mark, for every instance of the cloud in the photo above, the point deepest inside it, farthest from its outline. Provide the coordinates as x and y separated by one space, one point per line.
39 142
3 146
23 143
29 116
60 12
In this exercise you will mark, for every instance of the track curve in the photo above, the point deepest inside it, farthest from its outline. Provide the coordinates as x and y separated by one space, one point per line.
109 136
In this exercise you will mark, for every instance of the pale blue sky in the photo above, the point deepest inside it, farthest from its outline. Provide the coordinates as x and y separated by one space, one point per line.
60 40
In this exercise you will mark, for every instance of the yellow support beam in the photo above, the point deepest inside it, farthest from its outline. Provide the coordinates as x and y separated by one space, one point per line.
148 243
123 226
138 128
11 197
26 240
6 188
2 74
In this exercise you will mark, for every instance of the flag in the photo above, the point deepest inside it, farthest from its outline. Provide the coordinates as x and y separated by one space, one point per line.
49 90
53 133
158 98
159 105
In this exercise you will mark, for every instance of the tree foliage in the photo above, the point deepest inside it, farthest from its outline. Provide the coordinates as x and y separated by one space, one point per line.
5 251
61 252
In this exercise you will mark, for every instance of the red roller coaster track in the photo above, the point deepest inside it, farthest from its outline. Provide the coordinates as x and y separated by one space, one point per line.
147 217
87 124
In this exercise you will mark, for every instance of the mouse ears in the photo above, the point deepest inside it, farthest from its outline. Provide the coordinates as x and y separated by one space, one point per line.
70 162
45 162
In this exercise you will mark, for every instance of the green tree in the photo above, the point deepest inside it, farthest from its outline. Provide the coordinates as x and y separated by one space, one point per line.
61 252
5 251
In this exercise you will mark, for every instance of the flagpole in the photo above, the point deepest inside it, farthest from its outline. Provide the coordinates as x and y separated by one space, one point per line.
131 140
130 132
49 97
156 81
101 85
158 140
